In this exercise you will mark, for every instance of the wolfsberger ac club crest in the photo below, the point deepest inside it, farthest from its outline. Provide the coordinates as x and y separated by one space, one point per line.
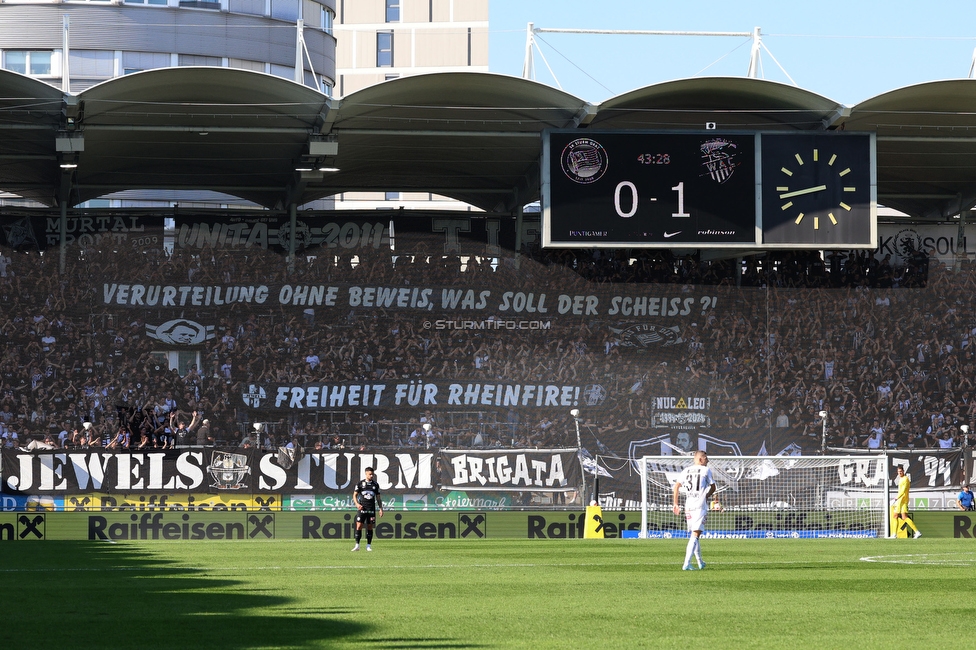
644 335
584 161
719 159
228 470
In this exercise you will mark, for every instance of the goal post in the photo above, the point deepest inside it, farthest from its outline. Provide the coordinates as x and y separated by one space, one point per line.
773 496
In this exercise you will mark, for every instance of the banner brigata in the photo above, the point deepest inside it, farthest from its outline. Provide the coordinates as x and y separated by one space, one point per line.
554 470
246 473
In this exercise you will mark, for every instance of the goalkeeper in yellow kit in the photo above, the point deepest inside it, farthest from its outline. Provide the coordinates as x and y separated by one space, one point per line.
900 505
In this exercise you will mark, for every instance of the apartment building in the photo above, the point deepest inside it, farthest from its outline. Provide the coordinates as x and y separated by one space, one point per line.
342 46
382 40
110 38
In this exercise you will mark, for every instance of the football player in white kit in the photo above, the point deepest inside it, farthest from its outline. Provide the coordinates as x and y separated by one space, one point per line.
699 485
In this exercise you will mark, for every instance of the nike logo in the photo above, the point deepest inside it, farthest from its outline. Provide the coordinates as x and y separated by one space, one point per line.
669 235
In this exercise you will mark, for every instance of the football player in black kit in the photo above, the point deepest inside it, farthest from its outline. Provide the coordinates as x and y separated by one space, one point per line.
366 496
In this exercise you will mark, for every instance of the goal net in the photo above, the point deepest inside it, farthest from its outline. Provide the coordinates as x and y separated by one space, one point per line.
772 496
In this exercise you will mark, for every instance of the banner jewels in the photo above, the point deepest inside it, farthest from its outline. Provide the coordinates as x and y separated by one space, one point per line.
206 469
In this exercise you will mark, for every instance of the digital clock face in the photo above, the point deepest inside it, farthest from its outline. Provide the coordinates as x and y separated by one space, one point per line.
654 158
624 189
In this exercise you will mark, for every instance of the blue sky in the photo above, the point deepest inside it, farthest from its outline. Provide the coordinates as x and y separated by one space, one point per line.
848 51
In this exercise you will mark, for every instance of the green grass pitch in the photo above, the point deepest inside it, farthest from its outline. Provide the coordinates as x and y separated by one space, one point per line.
487 594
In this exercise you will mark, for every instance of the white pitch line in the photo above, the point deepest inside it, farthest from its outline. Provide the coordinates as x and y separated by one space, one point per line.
339 567
319 567
944 559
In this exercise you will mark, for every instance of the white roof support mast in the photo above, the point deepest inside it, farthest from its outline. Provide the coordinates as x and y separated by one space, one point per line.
755 63
65 75
301 54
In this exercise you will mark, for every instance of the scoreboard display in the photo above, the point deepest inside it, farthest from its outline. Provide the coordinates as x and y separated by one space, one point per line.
708 189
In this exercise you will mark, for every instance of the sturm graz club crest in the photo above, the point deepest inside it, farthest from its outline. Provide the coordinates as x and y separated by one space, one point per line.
228 470
584 161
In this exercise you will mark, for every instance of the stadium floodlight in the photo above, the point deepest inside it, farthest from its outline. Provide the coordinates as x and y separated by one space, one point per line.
579 453
823 435
773 496
579 442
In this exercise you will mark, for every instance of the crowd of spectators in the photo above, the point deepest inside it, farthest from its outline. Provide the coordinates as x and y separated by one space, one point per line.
884 349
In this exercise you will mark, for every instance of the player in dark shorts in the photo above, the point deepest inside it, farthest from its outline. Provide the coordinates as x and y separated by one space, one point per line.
366 496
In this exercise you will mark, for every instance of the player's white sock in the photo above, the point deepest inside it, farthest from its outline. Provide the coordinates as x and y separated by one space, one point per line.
690 549
698 556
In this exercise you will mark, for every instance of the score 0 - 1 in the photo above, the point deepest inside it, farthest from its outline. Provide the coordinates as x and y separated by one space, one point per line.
628 185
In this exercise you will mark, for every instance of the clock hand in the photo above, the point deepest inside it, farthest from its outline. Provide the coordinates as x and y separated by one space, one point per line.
809 190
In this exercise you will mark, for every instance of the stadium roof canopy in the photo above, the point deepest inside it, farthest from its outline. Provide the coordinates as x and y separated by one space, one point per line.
471 136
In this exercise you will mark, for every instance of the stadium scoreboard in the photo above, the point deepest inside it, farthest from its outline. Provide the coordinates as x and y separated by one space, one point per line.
709 189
